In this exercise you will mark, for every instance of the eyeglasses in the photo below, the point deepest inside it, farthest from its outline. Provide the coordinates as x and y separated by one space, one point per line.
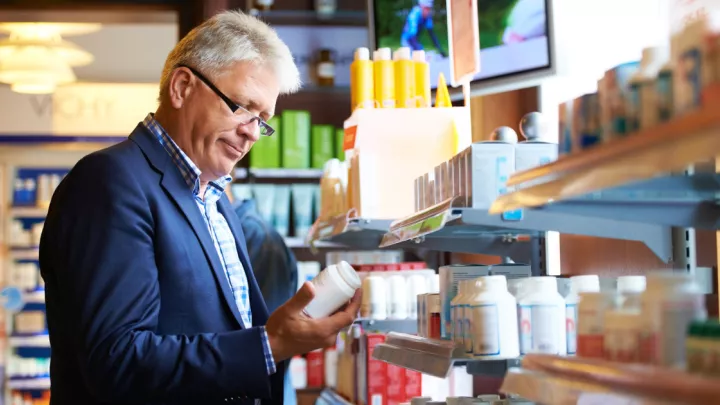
246 116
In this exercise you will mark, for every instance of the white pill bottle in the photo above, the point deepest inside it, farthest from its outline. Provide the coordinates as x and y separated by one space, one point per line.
334 287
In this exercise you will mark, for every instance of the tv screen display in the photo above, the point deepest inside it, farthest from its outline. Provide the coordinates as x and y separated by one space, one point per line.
513 34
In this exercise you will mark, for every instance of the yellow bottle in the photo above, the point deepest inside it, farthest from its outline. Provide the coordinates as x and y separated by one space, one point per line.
384 78
404 78
423 94
361 80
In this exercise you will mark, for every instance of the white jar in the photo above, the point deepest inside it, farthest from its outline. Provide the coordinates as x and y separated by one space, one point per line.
334 287
630 289
397 294
621 330
670 303
542 318
374 299
457 313
591 310
416 285
578 284
494 320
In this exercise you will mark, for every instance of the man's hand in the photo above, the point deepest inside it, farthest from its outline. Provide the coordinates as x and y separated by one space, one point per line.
291 332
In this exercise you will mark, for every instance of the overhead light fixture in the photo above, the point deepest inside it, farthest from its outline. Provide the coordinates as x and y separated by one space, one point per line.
34 59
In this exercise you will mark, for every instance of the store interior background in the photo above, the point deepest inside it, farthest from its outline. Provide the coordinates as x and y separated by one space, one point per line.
130 48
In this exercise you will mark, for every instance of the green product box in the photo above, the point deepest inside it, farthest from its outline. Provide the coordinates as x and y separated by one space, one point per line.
296 139
339 143
323 145
265 154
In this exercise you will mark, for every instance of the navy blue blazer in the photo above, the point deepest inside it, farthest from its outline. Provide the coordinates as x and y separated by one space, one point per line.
139 308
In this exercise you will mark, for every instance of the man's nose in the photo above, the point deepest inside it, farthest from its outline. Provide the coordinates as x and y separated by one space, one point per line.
251 130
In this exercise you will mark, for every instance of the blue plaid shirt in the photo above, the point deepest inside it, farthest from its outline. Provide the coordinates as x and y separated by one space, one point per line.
217 225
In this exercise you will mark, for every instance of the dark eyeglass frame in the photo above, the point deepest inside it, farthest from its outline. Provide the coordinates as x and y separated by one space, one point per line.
265 128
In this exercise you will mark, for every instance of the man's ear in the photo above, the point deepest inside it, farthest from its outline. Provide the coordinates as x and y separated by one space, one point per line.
180 86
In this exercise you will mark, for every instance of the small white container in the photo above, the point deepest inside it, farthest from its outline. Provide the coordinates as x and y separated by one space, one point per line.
457 313
416 285
630 289
374 299
542 318
591 310
422 325
621 341
670 303
494 320
397 294
334 287
578 285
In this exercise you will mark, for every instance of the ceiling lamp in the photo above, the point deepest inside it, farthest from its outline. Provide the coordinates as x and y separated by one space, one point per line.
35 59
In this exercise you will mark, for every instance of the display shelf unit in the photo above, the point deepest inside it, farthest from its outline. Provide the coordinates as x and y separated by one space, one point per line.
241 173
658 151
435 357
349 231
388 325
556 380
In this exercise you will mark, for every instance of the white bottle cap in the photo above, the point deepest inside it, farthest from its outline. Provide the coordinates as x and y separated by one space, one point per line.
402 53
587 283
631 284
542 283
419 56
362 54
382 54
497 282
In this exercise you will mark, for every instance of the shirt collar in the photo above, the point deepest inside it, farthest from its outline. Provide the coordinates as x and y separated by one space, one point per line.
188 169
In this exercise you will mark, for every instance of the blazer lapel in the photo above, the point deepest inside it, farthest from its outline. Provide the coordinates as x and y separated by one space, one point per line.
257 303
175 186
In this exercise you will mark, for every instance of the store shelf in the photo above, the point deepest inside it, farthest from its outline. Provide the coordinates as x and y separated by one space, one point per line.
349 231
295 242
435 357
311 17
30 341
279 173
446 227
330 397
39 384
555 380
665 148
408 326
28 212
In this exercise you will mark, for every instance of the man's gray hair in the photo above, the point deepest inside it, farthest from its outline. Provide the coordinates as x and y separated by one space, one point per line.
227 38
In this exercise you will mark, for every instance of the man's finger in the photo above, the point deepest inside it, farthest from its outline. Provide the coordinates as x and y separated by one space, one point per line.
301 299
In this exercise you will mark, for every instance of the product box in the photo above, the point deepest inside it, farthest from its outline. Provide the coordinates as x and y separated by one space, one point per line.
315 369
413 384
323 143
265 153
449 278
511 270
487 169
372 374
531 154
295 139
395 385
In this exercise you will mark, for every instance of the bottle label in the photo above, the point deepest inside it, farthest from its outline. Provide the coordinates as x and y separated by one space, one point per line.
571 327
467 328
456 332
326 70
539 329
486 330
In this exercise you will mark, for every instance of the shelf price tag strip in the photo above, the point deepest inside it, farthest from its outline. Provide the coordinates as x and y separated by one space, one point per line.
418 225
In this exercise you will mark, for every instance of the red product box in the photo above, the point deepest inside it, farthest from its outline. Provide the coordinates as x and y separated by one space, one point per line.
395 385
376 377
413 384
315 369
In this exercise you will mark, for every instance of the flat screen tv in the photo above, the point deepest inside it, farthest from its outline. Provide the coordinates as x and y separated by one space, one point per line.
515 38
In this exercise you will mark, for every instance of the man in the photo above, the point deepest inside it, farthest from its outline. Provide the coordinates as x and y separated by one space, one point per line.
151 298
277 273
419 18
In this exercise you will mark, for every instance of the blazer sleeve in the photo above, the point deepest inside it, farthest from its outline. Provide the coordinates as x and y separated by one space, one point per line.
101 226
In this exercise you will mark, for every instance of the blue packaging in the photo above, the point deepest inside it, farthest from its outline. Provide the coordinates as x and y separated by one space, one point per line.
664 92
690 76
586 121
619 100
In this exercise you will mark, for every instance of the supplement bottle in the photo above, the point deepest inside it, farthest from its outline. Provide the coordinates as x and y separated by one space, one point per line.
334 287
457 313
590 312
361 80
374 299
578 284
423 94
404 78
494 320
542 318
630 289
384 78
621 335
